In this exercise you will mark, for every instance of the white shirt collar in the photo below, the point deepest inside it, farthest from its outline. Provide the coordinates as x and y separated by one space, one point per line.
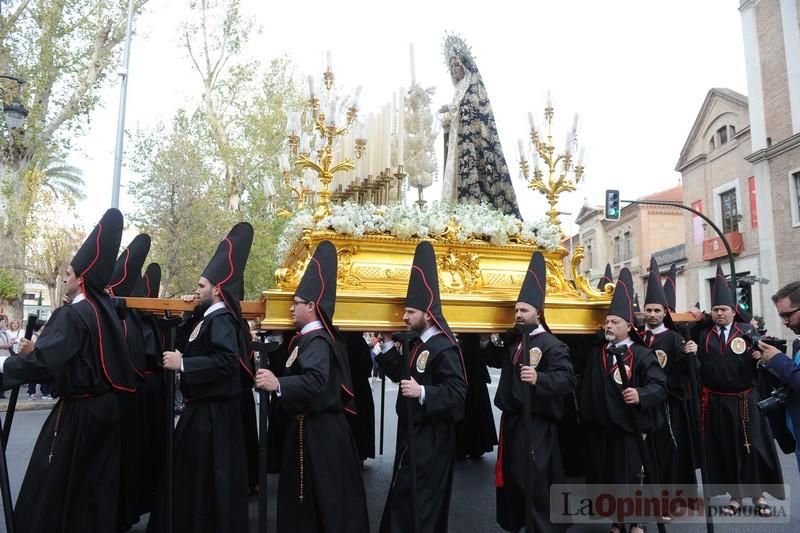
661 328
626 342
80 296
428 333
311 326
214 307
539 329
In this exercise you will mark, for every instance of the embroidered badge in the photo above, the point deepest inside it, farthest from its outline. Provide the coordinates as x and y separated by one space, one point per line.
535 354
738 345
292 357
662 358
618 378
422 360
195 331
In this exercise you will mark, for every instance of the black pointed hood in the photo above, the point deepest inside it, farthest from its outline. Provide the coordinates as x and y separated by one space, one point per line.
423 287
534 286
721 293
318 283
128 269
670 288
94 261
226 268
655 292
607 278
622 300
149 285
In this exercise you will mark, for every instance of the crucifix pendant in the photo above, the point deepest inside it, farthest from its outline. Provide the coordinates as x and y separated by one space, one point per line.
747 445
641 476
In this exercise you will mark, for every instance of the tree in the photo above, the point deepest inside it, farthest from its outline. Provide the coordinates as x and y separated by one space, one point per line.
64 50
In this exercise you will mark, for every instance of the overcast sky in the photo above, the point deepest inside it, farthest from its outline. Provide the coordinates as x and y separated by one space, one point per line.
637 72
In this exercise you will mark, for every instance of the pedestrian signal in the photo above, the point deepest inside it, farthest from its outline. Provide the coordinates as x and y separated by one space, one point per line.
612 204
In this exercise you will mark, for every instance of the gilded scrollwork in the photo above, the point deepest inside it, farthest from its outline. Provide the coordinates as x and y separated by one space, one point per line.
345 276
582 284
459 271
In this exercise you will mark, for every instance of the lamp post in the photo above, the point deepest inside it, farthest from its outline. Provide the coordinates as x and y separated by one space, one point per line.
15 113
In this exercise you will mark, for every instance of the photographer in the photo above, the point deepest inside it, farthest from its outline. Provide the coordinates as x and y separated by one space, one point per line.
787 302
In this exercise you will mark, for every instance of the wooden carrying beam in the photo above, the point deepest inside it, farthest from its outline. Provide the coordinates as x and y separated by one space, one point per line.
250 310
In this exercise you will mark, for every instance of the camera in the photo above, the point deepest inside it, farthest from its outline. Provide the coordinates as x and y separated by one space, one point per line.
775 400
755 338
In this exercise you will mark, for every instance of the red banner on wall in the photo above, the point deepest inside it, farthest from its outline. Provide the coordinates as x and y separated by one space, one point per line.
751 187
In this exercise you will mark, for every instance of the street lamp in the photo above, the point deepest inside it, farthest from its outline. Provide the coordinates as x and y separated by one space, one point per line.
15 112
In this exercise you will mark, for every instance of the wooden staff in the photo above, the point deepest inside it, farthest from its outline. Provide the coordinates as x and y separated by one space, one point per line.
12 402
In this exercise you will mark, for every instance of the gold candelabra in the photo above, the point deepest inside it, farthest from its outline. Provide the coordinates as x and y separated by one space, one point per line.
329 132
558 180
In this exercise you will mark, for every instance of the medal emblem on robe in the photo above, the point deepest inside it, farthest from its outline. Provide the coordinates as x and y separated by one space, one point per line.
422 360
535 354
738 345
662 358
618 378
292 357
195 331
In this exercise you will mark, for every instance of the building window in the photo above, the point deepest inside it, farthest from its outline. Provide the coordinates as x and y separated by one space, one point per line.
712 144
722 135
617 250
732 132
796 196
730 214
628 245
589 257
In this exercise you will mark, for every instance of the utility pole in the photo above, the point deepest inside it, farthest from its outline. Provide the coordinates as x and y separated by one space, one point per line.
123 96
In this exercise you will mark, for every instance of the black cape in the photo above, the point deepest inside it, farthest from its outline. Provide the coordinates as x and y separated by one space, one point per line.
210 466
475 433
320 487
442 375
674 440
76 488
362 424
728 398
555 382
612 454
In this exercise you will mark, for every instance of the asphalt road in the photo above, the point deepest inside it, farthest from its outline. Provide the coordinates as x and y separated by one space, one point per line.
473 500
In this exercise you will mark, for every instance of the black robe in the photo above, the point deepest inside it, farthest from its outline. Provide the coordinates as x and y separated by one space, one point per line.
362 424
155 398
278 420
612 454
133 414
72 481
674 439
729 398
475 433
442 375
210 465
320 487
555 381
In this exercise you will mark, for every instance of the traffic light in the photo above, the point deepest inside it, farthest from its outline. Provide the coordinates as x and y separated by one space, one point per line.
744 298
612 204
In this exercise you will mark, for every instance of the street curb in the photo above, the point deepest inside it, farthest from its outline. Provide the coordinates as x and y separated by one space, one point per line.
27 405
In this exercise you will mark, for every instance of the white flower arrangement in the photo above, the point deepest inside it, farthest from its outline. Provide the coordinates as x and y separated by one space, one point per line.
406 222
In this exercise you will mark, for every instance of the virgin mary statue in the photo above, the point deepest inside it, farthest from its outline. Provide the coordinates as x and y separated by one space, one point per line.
475 169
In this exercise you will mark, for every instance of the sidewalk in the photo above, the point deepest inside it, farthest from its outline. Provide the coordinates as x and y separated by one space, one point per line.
23 404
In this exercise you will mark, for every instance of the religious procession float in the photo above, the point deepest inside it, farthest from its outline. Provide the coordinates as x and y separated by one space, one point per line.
350 180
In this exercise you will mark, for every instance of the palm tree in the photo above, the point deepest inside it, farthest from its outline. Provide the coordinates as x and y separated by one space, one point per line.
60 178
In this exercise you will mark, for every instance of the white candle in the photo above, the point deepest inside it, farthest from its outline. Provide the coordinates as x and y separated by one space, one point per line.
328 61
531 121
575 123
569 142
401 130
581 153
549 99
411 57
356 96
521 148
311 92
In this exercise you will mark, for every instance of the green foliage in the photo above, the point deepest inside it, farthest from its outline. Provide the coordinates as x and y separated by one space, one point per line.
10 288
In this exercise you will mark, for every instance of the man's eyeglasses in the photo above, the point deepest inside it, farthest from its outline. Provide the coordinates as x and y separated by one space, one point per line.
300 302
788 314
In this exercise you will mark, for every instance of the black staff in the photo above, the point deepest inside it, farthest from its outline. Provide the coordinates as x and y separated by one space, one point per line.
264 397
619 356
527 411
406 337
383 403
30 326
